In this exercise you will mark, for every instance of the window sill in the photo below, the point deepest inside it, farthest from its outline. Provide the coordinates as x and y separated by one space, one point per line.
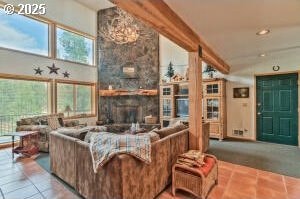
80 116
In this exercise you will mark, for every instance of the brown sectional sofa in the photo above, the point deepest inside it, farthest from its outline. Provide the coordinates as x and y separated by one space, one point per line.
40 124
124 177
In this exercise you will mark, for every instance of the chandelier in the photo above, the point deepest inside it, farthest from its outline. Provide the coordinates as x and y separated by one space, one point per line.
121 29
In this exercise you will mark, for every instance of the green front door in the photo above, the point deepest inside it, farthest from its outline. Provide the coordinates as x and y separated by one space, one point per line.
277 109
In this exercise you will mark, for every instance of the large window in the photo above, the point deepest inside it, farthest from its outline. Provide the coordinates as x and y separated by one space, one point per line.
22 98
74 47
75 99
22 33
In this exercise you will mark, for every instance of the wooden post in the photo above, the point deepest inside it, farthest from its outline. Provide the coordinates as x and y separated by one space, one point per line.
195 100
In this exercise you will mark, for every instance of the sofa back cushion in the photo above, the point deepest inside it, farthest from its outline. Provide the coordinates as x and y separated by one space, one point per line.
164 132
53 122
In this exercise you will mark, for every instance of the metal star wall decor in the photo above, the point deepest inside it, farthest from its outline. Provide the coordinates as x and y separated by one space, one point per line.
66 74
38 71
53 69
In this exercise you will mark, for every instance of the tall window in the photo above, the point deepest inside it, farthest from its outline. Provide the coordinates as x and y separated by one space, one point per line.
22 98
75 99
74 47
22 33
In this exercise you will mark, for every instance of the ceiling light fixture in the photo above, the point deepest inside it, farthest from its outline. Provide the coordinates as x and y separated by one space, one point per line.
121 29
263 32
262 55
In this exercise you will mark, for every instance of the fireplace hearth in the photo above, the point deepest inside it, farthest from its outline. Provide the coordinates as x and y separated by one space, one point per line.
128 114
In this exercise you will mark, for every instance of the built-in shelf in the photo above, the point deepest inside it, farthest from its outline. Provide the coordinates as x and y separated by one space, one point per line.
181 95
119 92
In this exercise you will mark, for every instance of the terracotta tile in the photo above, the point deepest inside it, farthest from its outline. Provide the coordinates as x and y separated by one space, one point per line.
224 172
223 181
8 167
270 184
19 176
269 176
241 187
245 170
290 181
237 195
59 194
48 183
293 191
22 193
36 196
243 178
12 186
8 171
267 193
226 165
216 193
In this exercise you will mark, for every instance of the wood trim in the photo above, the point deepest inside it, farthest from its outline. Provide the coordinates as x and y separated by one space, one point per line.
141 92
64 81
158 15
24 77
94 100
52 25
195 99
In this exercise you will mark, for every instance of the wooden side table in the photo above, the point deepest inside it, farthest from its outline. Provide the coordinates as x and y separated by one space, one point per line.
197 181
29 143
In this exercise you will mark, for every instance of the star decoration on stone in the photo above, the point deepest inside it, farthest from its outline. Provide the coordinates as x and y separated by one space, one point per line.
66 74
53 69
38 71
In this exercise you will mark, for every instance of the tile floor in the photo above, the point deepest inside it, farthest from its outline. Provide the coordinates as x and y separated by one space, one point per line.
24 178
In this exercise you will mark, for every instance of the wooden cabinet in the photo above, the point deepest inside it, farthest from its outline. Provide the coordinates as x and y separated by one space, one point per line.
173 102
214 107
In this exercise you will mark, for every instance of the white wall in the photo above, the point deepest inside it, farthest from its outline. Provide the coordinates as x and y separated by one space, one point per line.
241 112
65 12
170 52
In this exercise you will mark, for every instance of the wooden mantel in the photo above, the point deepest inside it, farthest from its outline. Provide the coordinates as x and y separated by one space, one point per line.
161 17
138 92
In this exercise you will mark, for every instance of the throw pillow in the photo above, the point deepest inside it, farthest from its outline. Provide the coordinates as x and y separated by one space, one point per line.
61 121
53 122
153 135
164 132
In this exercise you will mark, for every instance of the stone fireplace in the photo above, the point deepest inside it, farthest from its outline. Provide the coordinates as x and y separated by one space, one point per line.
141 56
128 114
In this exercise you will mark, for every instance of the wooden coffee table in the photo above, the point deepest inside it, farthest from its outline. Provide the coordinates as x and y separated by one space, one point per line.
31 143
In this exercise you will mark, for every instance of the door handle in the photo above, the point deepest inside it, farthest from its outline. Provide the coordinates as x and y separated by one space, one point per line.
258 113
258 104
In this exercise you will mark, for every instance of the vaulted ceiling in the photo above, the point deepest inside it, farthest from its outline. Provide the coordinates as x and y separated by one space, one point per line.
229 27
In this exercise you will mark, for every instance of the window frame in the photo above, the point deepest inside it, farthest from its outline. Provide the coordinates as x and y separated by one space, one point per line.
52 47
39 19
38 79
94 102
72 30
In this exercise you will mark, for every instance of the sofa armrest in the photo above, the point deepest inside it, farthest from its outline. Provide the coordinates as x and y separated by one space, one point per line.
43 129
104 184
62 157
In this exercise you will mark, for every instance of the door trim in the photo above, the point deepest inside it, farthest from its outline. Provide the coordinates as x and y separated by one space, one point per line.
255 110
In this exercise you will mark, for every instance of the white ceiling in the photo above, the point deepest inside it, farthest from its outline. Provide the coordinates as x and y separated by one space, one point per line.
230 26
96 4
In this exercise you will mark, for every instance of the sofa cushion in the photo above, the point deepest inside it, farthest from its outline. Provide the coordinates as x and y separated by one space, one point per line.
164 132
53 122
74 132
153 135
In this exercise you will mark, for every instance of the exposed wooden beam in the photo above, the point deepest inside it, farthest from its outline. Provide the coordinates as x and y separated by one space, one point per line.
195 101
162 18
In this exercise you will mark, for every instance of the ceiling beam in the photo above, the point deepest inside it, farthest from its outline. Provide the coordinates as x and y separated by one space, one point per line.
164 20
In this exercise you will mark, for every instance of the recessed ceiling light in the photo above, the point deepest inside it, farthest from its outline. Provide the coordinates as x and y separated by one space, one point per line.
263 32
262 55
